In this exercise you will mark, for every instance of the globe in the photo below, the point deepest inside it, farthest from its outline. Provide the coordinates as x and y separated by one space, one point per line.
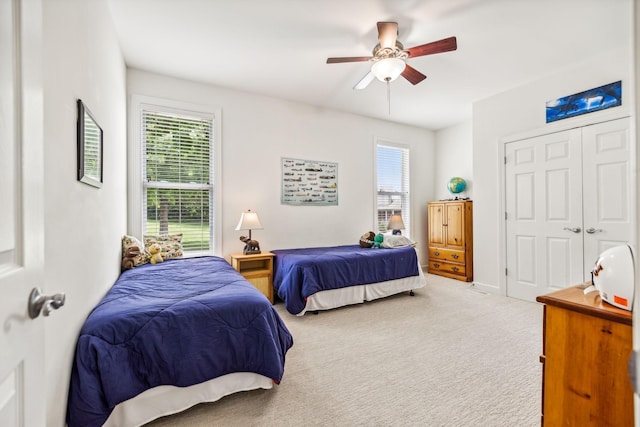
456 185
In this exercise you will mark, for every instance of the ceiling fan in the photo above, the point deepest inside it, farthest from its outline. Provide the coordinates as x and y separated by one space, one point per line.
389 57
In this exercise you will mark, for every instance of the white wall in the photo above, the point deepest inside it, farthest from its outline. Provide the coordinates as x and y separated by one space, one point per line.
454 157
83 224
519 110
257 131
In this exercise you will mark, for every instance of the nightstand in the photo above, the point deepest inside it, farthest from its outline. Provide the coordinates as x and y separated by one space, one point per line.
257 269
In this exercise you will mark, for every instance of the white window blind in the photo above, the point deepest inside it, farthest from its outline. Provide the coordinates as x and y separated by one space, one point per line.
392 168
177 194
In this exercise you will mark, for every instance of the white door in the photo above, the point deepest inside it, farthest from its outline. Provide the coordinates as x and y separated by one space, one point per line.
22 397
608 201
543 214
569 196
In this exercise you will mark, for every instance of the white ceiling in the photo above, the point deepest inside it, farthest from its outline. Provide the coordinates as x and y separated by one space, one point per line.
279 47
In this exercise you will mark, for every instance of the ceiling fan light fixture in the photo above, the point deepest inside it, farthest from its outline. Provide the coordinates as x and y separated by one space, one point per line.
388 69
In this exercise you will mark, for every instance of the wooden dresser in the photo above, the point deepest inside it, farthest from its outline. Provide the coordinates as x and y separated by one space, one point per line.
451 239
586 348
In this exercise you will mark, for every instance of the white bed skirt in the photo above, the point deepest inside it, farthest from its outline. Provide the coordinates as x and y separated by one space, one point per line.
333 298
166 400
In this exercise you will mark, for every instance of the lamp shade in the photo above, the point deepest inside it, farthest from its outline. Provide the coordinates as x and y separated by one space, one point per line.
249 221
388 69
395 223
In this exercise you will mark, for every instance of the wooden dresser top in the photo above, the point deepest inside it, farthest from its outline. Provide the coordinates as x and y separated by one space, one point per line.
574 298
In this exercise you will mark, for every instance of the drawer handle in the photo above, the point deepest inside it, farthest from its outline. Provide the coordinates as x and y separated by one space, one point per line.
455 256
454 268
436 253
436 265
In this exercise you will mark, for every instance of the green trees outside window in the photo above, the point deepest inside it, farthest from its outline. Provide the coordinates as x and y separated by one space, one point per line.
178 186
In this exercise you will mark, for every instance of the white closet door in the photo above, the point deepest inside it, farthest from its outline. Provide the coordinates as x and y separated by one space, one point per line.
569 197
608 198
544 214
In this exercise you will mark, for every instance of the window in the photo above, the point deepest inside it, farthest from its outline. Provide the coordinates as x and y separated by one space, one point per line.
392 189
175 193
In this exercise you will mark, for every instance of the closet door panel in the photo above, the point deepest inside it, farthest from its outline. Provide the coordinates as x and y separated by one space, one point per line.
607 186
544 211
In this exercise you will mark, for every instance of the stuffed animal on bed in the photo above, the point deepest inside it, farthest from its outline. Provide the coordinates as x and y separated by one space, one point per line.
366 240
155 253
128 258
377 241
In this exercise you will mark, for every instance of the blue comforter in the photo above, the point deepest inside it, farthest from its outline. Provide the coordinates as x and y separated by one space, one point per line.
180 322
300 273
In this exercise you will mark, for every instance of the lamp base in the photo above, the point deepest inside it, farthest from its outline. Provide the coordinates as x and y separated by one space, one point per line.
397 232
251 246
251 251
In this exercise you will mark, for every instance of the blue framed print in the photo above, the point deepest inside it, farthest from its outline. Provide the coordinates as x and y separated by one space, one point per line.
596 99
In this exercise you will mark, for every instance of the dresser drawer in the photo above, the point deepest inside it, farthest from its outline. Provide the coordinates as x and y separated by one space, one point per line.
446 254
435 265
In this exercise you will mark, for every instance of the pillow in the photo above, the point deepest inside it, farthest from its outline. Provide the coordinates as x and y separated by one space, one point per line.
396 241
127 243
171 245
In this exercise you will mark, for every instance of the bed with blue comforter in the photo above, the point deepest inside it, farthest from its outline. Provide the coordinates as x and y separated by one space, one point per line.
301 273
180 322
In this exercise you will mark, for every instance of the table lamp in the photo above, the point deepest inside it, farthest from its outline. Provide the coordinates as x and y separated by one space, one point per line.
396 224
249 221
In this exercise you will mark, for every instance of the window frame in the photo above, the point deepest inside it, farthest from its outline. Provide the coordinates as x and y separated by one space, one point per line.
406 213
136 180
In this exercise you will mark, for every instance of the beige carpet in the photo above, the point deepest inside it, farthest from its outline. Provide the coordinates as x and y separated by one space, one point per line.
448 356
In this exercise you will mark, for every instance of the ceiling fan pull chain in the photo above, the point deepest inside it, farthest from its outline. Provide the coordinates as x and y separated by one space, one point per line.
389 97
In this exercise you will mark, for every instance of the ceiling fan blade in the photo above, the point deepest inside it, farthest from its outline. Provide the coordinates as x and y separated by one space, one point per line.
364 82
412 75
349 59
444 45
387 34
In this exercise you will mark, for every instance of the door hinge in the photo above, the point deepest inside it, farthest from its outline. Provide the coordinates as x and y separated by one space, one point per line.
505 215
505 160
505 271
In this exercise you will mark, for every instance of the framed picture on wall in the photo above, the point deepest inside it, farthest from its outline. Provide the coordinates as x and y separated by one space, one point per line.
89 147
596 99
309 182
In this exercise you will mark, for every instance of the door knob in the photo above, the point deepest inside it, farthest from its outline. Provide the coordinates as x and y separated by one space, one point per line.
574 230
44 303
593 230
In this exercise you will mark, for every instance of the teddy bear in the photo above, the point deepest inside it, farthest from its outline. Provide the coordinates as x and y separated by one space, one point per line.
155 253
377 241
366 240
129 257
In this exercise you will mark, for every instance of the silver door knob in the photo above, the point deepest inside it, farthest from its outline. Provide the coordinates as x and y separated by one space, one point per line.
593 230
44 303
573 230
